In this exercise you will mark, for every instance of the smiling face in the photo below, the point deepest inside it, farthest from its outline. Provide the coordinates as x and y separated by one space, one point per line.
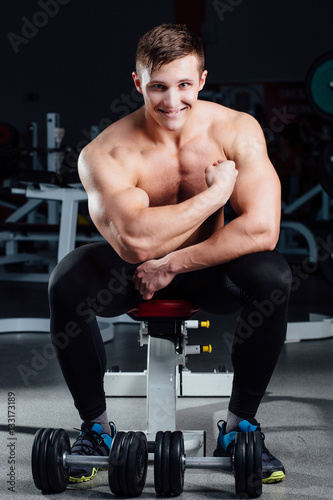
171 92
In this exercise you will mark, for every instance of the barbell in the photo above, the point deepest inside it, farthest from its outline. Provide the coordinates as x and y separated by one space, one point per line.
127 463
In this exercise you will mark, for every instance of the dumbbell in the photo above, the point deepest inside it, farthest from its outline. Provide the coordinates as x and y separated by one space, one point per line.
127 463
170 463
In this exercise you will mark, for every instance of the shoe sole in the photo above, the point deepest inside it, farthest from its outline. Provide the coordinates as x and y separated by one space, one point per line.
83 479
275 477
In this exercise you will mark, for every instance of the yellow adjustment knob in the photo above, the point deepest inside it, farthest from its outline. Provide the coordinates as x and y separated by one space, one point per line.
207 348
205 324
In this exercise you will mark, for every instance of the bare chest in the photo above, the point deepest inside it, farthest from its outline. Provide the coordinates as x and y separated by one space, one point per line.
170 178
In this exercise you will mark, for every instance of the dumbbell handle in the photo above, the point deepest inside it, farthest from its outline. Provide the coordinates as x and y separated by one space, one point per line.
218 463
88 460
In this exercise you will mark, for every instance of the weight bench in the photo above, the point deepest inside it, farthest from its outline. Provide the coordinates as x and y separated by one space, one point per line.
164 326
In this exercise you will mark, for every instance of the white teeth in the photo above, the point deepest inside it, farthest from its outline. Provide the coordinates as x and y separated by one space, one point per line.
172 113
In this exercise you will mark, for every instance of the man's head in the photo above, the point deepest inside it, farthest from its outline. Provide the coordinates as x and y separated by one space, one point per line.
170 74
165 44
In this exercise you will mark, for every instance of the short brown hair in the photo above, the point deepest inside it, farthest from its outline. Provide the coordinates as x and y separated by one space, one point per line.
164 44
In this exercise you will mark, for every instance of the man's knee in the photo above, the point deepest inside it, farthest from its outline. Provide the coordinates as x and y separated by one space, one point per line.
61 283
54 285
281 276
275 282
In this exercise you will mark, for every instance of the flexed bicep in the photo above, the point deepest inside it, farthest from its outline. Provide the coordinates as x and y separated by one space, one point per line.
114 202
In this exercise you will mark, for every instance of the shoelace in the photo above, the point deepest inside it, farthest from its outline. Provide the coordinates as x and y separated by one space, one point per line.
264 449
88 441
219 426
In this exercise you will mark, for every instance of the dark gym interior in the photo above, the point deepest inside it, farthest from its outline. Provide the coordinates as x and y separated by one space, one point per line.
66 76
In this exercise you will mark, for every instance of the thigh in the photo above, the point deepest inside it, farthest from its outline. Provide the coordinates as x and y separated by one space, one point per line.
210 289
261 274
224 288
94 275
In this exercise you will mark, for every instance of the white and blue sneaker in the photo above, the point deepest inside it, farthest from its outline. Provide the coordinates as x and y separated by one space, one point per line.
91 441
272 469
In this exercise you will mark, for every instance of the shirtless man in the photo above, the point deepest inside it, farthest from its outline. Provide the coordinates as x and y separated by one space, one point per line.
157 181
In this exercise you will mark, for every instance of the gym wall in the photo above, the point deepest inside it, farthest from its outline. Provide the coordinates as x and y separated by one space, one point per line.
265 40
78 60
78 64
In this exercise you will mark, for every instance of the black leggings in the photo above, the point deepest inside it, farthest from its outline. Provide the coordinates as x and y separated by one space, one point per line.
93 280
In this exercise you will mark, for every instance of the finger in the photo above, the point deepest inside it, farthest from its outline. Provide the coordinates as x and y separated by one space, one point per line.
142 288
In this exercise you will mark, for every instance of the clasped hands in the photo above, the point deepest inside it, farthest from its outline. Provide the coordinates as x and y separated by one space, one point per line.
152 276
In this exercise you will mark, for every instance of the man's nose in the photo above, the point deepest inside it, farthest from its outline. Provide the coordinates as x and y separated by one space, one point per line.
171 99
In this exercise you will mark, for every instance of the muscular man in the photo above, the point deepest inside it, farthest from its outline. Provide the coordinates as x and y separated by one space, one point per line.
157 181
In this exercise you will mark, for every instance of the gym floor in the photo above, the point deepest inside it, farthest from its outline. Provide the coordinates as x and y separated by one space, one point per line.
295 415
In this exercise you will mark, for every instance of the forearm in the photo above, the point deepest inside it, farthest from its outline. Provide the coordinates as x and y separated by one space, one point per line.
156 231
228 243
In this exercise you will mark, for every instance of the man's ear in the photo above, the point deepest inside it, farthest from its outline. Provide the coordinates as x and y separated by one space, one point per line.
137 82
203 79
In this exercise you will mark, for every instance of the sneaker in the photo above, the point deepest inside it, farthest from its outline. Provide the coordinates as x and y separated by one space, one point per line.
272 469
91 441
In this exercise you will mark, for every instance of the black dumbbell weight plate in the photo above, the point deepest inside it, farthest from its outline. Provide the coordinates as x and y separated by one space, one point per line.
166 463
42 457
114 463
57 474
123 454
137 464
249 463
240 464
177 455
254 464
257 463
35 459
158 463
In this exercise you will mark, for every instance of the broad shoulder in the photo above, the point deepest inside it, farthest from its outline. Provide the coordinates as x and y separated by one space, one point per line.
112 148
227 118
103 160
116 139
237 131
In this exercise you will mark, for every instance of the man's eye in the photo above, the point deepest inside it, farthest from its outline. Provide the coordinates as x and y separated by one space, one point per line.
158 86
184 85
